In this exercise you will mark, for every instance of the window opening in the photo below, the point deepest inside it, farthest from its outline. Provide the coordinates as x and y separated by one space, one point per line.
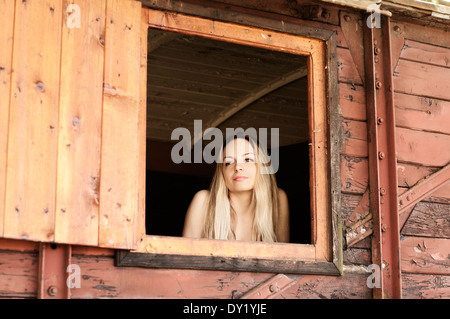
194 78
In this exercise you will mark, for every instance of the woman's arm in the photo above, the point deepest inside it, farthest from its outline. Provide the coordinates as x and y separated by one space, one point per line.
196 214
283 217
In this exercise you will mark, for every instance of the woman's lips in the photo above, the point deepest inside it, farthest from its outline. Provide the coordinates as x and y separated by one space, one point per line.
240 178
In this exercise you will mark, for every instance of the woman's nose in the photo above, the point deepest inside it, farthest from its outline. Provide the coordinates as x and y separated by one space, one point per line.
238 166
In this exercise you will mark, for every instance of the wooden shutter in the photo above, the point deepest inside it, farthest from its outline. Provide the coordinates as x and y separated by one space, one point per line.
69 121
6 39
120 129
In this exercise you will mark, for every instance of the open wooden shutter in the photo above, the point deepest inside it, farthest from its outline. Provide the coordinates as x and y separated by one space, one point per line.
120 130
69 121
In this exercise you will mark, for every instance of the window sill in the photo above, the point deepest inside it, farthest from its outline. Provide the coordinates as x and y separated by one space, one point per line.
204 254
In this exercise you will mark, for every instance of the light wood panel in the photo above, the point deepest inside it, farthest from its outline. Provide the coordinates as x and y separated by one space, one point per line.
80 116
6 49
33 127
120 129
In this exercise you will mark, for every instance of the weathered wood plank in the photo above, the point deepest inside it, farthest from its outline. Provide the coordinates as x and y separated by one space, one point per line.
258 18
422 79
428 220
424 34
33 129
358 256
352 101
6 52
193 86
349 286
19 245
188 69
142 123
426 53
355 143
410 174
422 113
120 129
425 255
441 195
190 97
77 200
424 148
416 286
101 279
18 274
232 60
347 70
349 203
354 174
287 266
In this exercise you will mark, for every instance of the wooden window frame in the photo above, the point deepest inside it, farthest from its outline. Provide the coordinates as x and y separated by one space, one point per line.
324 254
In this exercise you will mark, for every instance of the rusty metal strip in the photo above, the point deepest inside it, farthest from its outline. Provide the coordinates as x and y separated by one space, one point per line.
420 190
270 288
382 158
53 262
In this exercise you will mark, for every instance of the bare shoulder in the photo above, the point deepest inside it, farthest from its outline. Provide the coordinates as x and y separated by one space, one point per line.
283 218
282 196
199 203
283 202
202 195
196 214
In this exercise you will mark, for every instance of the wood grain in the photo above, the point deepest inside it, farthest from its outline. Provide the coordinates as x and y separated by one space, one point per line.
354 174
422 113
426 53
425 255
33 127
18 274
423 148
355 135
418 286
352 101
120 128
428 220
422 79
347 71
80 120
6 52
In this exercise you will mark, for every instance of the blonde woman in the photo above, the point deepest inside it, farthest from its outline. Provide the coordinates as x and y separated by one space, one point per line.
243 202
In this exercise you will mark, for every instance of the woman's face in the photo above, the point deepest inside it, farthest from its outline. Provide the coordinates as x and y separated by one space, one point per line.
239 165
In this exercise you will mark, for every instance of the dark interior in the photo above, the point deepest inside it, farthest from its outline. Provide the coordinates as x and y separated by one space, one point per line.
191 78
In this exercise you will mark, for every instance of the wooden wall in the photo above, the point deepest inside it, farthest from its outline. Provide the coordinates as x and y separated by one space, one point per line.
69 121
422 111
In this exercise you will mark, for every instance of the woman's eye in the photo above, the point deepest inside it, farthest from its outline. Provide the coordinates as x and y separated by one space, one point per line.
227 163
251 160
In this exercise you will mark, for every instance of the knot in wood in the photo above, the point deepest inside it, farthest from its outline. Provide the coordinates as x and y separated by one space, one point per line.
40 86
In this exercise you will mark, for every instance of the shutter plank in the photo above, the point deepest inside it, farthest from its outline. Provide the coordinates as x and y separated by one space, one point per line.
80 120
6 38
120 130
142 130
32 146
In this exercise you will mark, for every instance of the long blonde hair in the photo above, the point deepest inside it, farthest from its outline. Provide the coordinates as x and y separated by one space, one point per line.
220 214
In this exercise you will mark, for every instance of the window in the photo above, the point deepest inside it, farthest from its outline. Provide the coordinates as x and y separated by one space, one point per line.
195 82
228 76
